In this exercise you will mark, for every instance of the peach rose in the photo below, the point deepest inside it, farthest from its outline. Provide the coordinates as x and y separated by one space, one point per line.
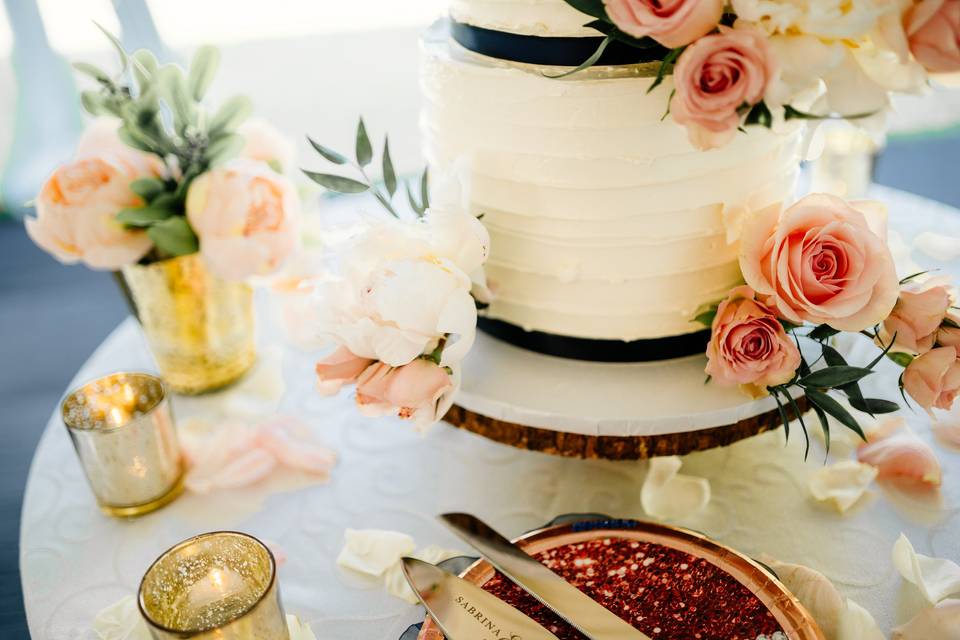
748 345
672 23
933 379
264 143
247 218
949 333
933 30
339 368
714 78
916 318
76 211
414 387
821 262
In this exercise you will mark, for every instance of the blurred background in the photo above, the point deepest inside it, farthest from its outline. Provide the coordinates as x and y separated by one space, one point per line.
310 67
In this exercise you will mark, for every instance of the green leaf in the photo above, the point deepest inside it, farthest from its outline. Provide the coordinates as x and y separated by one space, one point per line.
386 203
706 318
913 276
610 29
586 64
665 66
147 188
231 114
93 103
174 237
790 113
902 359
593 8
824 425
116 45
874 405
760 114
224 148
203 68
833 357
832 377
425 189
803 425
173 86
417 208
774 391
134 139
389 175
328 153
339 184
823 332
886 350
145 65
143 216
364 149
835 409
93 71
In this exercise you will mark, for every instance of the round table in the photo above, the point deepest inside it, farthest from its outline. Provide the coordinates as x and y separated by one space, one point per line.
75 561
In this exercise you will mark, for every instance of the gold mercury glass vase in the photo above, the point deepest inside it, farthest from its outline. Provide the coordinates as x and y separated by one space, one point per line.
200 327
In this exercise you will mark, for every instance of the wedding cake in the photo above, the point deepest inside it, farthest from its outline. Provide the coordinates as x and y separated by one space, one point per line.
606 224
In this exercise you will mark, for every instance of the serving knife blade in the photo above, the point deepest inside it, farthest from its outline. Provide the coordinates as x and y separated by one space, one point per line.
580 610
464 611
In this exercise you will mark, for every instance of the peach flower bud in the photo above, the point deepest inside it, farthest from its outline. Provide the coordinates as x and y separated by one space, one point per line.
821 262
933 379
916 318
339 368
406 390
714 78
672 23
748 345
247 218
264 143
933 31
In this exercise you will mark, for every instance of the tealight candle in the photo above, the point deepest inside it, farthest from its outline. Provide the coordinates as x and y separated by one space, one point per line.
123 431
219 585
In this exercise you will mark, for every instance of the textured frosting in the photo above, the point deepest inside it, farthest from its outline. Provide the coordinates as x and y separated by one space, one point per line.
605 222
530 17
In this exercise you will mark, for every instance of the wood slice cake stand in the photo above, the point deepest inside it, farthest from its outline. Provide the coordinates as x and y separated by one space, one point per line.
602 410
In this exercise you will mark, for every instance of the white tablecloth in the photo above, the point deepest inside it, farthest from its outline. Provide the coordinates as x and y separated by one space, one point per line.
75 561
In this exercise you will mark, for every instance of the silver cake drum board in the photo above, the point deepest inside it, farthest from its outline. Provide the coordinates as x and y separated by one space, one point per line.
620 411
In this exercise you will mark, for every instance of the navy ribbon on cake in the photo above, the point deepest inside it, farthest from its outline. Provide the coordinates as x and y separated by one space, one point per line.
598 350
554 51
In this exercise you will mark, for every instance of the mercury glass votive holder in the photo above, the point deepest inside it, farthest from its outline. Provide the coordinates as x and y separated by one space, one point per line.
220 585
122 428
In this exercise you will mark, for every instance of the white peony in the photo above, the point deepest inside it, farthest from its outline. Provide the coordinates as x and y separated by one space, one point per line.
827 19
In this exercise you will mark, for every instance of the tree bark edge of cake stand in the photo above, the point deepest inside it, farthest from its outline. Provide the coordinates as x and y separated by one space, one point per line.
575 445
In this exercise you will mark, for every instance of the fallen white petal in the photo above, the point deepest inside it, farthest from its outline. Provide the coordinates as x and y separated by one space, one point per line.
814 591
856 623
938 246
121 621
373 551
299 630
669 495
841 484
936 578
933 623
396 583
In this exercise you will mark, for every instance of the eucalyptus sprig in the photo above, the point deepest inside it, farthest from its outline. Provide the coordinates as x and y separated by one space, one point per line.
363 157
162 113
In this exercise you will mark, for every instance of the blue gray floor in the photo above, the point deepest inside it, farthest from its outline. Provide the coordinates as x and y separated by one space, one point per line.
52 317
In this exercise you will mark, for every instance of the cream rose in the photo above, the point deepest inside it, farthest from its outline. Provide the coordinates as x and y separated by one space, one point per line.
933 30
247 218
714 78
672 23
821 262
916 318
933 379
748 345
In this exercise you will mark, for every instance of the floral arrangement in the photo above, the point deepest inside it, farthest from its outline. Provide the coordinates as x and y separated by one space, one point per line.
403 305
812 271
761 62
157 176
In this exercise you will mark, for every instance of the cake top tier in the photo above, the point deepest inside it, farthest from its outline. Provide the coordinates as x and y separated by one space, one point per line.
529 17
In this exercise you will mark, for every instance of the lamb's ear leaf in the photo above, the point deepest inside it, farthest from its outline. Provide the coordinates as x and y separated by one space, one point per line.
174 237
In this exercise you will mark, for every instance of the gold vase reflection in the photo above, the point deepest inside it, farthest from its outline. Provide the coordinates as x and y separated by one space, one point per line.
200 328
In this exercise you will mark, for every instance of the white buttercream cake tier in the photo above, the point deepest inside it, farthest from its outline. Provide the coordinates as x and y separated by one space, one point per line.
605 222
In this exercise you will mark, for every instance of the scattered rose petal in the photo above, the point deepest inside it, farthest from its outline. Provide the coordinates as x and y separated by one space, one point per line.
299 630
938 246
291 443
247 468
841 484
933 623
395 581
936 578
814 591
856 623
121 621
902 455
373 551
669 495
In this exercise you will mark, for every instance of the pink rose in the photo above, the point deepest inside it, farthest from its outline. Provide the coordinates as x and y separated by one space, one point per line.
672 23
916 318
820 262
748 345
339 368
933 379
76 213
406 390
933 30
714 78
247 218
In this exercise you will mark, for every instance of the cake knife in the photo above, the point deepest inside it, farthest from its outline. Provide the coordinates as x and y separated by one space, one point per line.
464 611
580 610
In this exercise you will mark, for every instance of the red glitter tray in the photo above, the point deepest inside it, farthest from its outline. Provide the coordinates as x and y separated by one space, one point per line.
672 584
